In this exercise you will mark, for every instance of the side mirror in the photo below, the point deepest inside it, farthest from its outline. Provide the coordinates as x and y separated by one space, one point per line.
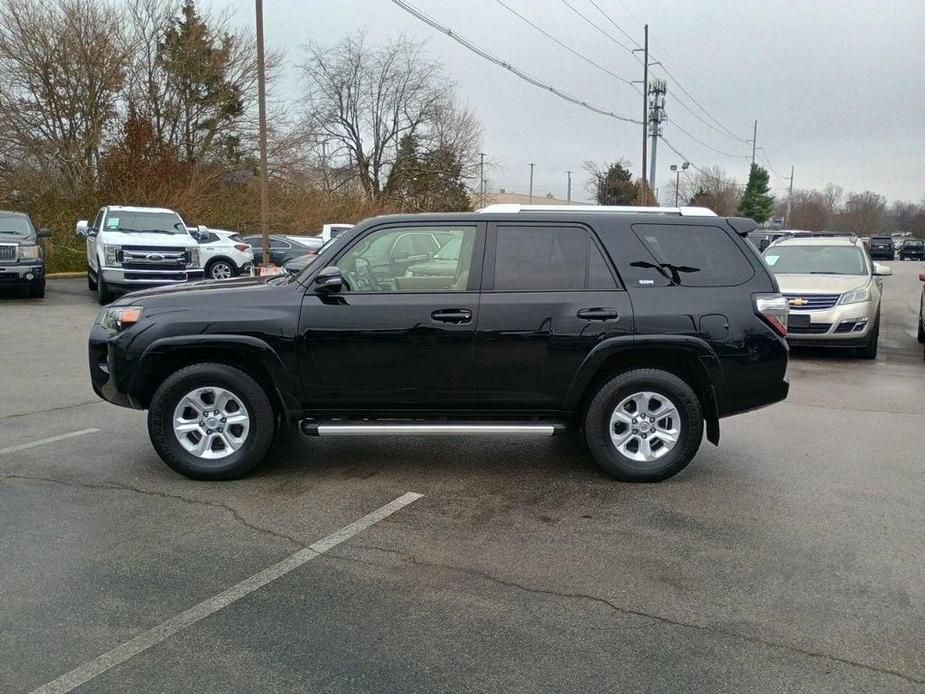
43 234
922 277
329 280
82 227
882 270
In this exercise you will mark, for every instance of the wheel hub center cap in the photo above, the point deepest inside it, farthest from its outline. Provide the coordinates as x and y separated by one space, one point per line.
212 422
644 426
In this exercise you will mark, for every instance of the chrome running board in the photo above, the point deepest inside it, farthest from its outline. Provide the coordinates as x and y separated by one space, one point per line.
396 428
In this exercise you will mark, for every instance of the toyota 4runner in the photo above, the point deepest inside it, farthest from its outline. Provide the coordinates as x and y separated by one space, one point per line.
639 328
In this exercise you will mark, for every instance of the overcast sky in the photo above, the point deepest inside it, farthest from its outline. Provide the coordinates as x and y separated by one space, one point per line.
837 87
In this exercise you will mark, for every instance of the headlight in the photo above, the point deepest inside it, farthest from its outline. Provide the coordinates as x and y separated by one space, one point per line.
111 255
856 296
29 253
115 319
193 257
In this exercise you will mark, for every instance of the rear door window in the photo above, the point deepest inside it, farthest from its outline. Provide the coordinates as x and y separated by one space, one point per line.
548 258
692 256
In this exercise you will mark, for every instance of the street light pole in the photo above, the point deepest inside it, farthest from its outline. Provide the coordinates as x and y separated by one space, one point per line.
262 128
531 182
677 178
568 197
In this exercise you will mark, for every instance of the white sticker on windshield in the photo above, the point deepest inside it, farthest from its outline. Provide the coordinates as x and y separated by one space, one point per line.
771 259
112 222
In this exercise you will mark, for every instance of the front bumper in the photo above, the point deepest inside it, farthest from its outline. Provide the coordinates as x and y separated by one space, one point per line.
129 280
111 368
21 273
846 325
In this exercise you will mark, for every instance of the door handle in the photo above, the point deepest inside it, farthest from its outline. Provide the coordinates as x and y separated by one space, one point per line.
452 315
599 313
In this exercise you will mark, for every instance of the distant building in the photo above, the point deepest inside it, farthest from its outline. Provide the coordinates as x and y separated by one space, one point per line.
523 199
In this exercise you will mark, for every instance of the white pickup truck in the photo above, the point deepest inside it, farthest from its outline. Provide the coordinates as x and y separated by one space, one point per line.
131 248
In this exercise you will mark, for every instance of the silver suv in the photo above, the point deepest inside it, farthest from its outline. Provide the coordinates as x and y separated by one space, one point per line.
833 289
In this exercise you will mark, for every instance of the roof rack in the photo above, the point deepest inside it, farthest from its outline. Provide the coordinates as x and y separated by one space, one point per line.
789 236
517 208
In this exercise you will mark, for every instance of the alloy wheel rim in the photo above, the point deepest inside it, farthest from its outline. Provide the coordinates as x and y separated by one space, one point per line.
211 423
221 271
645 426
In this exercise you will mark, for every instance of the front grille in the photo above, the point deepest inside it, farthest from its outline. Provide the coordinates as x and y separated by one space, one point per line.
8 251
153 258
811 329
814 302
153 276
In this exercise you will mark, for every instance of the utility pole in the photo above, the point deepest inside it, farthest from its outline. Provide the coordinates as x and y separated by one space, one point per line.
262 127
677 178
481 179
531 182
657 111
645 113
754 142
568 195
789 199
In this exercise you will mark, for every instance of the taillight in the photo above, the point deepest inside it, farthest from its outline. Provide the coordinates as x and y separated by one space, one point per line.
243 247
774 309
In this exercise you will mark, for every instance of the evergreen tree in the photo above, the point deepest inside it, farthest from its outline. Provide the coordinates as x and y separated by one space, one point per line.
427 181
203 100
757 201
615 186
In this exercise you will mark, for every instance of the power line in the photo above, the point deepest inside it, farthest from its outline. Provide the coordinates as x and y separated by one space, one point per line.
596 27
767 161
566 47
683 156
618 27
710 147
507 66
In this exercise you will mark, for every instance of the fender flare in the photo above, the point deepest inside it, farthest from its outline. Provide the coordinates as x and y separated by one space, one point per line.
286 385
693 346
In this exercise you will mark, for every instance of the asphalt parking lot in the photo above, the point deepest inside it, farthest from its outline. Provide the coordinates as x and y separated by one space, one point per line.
790 558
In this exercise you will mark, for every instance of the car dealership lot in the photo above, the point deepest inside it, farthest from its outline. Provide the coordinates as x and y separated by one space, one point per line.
789 558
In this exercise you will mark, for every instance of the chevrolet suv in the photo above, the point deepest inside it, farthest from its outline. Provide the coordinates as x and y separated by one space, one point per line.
833 290
639 328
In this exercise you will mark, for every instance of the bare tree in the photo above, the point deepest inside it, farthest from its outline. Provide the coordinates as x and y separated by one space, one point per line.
809 211
709 187
832 195
864 213
363 100
62 66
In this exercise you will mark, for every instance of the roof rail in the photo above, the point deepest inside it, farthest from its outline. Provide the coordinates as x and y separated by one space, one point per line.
790 236
517 208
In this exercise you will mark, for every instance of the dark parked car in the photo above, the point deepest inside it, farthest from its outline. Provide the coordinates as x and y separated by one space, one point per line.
282 249
881 248
921 326
22 259
640 330
912 249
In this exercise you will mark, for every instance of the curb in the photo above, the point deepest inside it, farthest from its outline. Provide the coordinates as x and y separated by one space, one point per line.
65 275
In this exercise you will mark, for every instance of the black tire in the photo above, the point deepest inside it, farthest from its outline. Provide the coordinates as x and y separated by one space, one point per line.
210 268
242 386
103 295
37 289
921 331
91 283
869 350
610 394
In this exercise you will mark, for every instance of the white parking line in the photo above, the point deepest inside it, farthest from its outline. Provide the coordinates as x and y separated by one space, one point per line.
50 439
155 635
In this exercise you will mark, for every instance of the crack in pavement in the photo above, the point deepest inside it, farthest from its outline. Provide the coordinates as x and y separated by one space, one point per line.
53 409
849 409
235 514
617 608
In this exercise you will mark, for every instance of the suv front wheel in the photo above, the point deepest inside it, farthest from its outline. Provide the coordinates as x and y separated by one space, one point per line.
644 425
211 422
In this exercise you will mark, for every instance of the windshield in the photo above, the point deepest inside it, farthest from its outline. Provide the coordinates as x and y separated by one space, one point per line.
815 260
15 225
151 222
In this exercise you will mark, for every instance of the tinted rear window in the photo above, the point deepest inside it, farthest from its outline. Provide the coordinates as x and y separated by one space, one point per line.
693 256
547 258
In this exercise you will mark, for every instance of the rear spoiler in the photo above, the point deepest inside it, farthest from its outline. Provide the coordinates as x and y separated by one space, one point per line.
742 225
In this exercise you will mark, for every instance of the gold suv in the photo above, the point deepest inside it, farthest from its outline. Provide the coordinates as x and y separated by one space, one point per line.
833 289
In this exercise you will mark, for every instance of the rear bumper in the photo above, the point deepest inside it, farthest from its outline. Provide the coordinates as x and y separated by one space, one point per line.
21 273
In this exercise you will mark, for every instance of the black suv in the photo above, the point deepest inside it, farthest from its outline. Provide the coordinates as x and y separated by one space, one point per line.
912 249
637 329
22 260
881 248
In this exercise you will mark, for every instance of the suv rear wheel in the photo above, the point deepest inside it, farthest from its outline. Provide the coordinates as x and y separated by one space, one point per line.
221 269
211 422
644 425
